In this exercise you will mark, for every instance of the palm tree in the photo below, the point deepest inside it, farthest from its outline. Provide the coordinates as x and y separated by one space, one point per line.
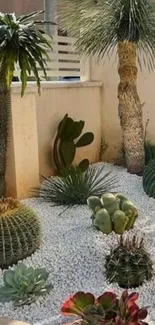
24 44
129 26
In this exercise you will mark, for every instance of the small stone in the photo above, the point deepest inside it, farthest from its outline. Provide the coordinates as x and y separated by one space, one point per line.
8 321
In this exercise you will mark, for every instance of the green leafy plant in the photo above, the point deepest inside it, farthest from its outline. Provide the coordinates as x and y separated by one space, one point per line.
23 44
112 213
77 186
129 264
20 232
106 309
149 178
23 284
64 148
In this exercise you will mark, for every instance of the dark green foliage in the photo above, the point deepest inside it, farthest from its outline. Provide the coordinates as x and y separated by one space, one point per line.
23 284
129 264
112 213
77 186
149 151
103 23
64 148
23 44
149 178
19 232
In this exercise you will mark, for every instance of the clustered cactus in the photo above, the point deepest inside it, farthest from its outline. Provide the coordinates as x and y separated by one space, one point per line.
112 213
64 148
149 178
19 232
129 264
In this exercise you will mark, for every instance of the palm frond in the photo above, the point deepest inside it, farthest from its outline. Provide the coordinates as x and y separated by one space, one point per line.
22 43
76 187
99 25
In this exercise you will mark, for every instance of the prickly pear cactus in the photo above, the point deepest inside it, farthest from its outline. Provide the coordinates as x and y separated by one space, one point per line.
65 143
19 232
149 178
112 213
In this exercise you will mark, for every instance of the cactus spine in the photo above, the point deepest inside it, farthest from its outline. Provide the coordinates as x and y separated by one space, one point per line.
112 213
19 232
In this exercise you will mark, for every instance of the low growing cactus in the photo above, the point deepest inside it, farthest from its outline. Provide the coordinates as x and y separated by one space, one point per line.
19 232
106 309
112 213
129 264
23 284
149 178
64 148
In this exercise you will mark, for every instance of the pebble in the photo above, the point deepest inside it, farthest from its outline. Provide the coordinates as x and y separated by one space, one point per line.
74 253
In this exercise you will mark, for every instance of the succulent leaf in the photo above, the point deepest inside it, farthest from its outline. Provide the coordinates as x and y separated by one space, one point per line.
76 304
83 165
107 309
85 140
27 283
93 202
67 152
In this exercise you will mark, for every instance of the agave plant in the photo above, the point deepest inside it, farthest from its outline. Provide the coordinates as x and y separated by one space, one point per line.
77 186
23 284
23 44
101 26
106 309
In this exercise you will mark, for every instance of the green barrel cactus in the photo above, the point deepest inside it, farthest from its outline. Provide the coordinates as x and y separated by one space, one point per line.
19 232
65 143
129 264
112 213
149 178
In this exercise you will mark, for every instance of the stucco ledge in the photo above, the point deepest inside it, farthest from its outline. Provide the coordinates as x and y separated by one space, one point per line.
32 88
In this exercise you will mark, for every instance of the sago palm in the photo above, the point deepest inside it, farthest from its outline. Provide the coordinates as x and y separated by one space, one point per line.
129 26
23 44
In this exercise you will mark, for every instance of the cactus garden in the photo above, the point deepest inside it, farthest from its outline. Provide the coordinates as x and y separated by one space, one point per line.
101 244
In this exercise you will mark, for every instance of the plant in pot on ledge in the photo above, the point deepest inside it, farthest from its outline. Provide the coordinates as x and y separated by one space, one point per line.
23 44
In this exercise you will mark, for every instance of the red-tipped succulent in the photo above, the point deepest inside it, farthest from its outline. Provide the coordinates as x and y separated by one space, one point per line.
107 309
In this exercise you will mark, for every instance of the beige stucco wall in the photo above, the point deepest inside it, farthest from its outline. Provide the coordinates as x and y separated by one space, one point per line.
33 125
111 132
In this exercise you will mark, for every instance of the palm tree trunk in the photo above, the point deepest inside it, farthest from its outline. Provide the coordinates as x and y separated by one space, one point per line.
130 108
5 105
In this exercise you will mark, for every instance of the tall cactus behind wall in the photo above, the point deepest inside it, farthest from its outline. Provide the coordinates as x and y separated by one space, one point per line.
64 148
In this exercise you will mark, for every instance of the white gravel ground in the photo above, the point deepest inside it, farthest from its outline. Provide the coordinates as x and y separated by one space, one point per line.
73 252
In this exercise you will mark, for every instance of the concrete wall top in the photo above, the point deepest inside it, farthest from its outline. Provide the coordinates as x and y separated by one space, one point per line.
32 88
